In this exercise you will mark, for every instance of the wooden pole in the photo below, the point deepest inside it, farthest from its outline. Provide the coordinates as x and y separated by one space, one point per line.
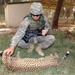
56 15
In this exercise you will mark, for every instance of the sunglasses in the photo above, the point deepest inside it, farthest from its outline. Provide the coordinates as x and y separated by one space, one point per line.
36 15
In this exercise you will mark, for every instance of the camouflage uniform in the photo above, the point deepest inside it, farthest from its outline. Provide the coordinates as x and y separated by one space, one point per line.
45 41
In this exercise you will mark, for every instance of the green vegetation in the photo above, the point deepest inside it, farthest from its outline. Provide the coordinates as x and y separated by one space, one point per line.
61 46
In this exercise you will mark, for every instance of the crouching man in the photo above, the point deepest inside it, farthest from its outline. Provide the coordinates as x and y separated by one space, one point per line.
35 20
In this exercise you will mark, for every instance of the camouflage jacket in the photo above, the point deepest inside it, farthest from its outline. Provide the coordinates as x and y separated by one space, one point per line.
22 30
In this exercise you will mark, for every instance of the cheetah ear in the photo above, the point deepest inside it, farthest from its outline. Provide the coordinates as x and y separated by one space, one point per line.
18 54
51 54
56 55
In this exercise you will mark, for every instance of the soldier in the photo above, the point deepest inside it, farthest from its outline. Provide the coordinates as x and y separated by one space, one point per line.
35 20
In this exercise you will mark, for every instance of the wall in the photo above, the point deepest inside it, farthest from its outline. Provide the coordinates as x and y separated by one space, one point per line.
14 13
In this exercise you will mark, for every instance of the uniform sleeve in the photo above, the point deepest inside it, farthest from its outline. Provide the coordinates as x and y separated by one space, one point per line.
47 24
20 32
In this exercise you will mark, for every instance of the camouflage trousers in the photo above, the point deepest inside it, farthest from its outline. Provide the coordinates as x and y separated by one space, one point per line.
44 41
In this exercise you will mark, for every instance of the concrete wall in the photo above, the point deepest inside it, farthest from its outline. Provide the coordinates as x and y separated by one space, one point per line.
14 13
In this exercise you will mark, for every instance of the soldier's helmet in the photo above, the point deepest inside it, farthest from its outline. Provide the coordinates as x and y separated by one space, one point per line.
36 8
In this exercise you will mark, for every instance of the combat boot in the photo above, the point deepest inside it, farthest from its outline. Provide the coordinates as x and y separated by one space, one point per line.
30 49
39 50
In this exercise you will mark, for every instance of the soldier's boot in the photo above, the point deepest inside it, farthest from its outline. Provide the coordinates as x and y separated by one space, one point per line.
31 48
39 50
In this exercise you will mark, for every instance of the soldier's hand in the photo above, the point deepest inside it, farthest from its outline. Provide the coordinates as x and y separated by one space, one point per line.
9 51
44 32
